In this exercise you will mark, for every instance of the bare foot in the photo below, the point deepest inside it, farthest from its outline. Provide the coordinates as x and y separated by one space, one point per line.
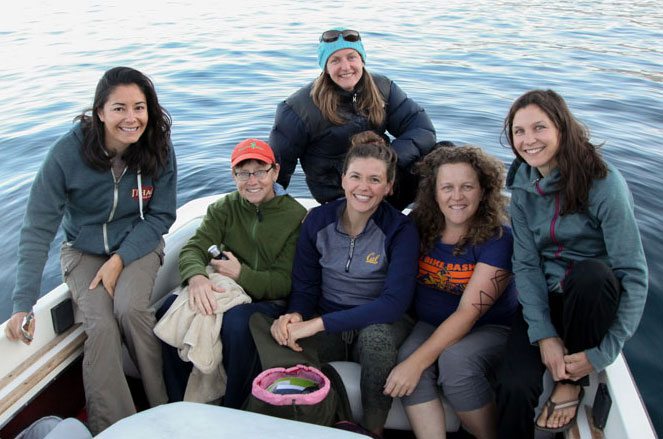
562 393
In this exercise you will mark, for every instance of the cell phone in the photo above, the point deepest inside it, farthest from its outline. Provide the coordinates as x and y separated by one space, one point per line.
601 407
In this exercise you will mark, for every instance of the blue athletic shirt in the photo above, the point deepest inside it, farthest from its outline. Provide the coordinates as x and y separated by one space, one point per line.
442 279
354 282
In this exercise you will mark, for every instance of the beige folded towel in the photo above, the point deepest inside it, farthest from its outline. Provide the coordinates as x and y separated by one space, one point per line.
198 338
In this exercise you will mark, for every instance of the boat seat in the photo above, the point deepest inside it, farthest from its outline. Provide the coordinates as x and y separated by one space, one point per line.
350 373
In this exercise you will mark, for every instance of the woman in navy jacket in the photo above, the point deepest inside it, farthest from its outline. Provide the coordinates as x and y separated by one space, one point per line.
315 123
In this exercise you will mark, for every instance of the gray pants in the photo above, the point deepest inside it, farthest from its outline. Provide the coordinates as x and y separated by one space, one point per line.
464 371
375 348
108 322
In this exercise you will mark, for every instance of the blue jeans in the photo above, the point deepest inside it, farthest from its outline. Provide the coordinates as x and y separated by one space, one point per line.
240 358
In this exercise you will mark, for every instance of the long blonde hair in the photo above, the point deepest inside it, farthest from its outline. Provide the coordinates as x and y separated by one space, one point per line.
370 102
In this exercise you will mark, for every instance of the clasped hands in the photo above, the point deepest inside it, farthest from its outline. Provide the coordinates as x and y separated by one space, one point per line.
289 328
561 365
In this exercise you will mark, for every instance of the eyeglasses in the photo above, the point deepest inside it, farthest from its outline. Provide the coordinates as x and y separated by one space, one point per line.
332 35
259 174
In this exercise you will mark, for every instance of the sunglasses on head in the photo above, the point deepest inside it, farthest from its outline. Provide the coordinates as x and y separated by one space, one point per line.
332 35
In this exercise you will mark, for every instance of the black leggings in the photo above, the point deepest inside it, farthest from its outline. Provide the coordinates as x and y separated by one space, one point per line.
581 315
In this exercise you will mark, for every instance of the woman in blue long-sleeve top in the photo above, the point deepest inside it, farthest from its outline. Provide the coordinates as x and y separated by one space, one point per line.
353 277
314 125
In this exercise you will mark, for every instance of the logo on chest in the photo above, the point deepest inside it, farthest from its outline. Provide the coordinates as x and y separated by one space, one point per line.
373 258
447 277
147 193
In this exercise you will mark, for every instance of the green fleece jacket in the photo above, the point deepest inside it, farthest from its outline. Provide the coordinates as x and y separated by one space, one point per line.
262 237
546 244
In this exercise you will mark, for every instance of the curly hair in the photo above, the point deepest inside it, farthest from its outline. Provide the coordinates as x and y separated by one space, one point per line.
578 160
150 153
325 94
491 213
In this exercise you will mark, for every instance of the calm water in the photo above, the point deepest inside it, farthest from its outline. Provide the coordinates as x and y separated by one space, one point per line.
221 70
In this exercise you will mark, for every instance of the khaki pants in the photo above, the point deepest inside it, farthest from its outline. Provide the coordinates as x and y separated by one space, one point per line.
108 322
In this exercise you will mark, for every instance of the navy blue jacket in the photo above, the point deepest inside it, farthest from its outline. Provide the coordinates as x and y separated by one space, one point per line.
354 282
300 132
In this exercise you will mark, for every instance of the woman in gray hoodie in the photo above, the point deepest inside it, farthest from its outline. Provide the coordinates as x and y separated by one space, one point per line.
111 182
578 262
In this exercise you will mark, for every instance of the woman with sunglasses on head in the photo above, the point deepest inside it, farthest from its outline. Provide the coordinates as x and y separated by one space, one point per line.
578 262
353 278
315 123
464 297
111 181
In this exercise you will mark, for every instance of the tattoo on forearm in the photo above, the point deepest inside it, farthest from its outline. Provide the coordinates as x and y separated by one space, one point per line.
486 298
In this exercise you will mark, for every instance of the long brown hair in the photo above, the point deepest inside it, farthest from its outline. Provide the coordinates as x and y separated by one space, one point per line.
325 94
578 159
491 213
150 153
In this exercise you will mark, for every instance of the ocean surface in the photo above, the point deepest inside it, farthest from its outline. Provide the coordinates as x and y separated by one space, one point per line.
221 68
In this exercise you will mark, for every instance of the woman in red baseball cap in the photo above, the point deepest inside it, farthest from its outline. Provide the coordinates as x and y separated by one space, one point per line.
256 229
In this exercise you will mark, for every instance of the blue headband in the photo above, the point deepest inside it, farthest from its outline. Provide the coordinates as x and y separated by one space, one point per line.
325 50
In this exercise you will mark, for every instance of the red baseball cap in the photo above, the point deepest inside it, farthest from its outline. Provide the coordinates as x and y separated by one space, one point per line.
252 149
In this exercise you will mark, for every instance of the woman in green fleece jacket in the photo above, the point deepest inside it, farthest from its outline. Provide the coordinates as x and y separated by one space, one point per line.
578 261
256 228
111 182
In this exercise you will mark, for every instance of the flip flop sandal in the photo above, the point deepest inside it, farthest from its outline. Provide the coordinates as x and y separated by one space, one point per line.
551 406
